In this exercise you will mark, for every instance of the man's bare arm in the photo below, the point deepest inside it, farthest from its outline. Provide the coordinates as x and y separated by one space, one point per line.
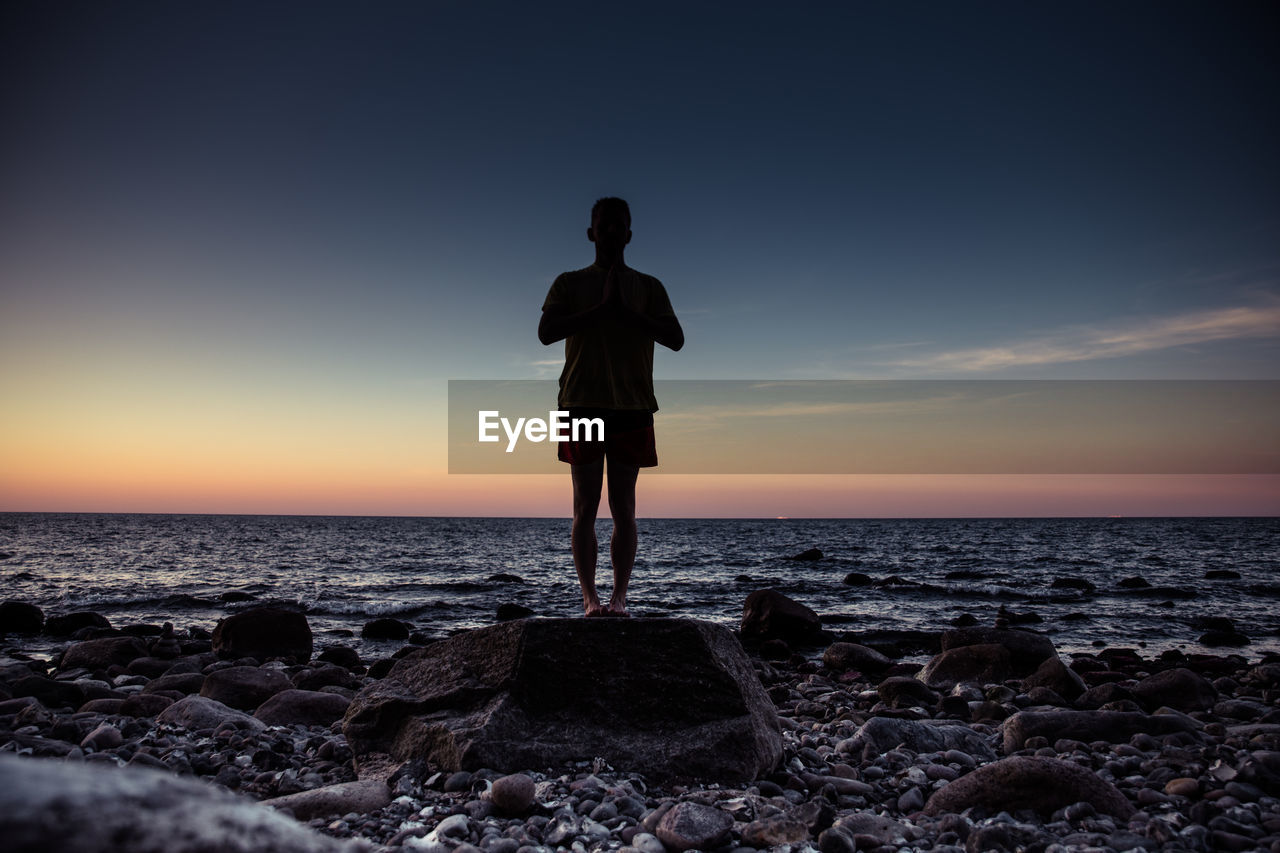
663 330
557 323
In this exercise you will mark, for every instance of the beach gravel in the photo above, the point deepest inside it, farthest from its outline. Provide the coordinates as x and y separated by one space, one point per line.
863 763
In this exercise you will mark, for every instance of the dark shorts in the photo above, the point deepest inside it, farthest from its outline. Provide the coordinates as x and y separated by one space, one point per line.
628 439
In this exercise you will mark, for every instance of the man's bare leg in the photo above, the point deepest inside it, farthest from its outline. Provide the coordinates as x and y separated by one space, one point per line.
586 503
622 544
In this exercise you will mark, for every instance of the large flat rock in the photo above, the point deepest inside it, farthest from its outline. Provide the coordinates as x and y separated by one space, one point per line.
662 697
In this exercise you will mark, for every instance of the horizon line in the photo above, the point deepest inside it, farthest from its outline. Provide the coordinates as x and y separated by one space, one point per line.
645 517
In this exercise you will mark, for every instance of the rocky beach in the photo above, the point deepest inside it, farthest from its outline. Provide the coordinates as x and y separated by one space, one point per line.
978 737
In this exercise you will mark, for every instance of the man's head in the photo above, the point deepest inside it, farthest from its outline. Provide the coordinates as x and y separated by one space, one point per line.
610 225
610 203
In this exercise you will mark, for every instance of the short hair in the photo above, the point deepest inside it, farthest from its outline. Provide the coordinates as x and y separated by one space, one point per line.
613 203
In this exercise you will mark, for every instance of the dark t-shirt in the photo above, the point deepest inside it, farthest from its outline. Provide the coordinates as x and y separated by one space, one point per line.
608 366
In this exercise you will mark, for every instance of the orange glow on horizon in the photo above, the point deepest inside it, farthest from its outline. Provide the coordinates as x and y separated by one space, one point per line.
155 443
406 492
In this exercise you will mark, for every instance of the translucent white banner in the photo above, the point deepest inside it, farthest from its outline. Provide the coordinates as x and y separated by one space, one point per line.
897 427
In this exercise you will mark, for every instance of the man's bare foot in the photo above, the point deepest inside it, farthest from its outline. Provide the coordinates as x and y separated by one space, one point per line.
597 609
619 610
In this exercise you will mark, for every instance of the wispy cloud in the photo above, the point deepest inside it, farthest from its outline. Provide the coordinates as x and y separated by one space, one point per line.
546 368
1087 343
714 416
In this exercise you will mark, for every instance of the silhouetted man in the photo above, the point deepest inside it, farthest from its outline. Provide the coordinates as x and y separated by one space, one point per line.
609 317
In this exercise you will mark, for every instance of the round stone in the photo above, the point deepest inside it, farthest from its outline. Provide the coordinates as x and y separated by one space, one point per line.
512 794
1183 786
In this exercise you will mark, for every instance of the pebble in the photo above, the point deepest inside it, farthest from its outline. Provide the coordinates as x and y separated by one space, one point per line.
646 843
460 781
454 826
105 736
513 794
1183 786
910 802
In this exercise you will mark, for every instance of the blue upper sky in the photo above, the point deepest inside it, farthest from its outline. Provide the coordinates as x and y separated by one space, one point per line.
382 193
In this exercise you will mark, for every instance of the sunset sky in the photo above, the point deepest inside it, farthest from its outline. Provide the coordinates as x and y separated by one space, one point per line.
244 246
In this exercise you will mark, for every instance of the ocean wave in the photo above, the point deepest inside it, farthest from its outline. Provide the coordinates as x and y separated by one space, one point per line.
896 583
999 591
967 575
367 608
169 602
1177 592
282 603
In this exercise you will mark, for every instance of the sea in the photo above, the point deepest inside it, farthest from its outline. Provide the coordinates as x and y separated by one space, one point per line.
1068 577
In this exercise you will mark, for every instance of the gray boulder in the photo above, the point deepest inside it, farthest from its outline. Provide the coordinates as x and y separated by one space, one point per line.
180 682
881 734
769 615
987 663
103 653
386 628
199 712
843 657
20 617
263 633
1043 785
663 697
1088 726
693 826
1103 694
1176 688
244 687
1058 677
303 707
51 692
68 623
56 807
344 656
1027 649
327 675
903 691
